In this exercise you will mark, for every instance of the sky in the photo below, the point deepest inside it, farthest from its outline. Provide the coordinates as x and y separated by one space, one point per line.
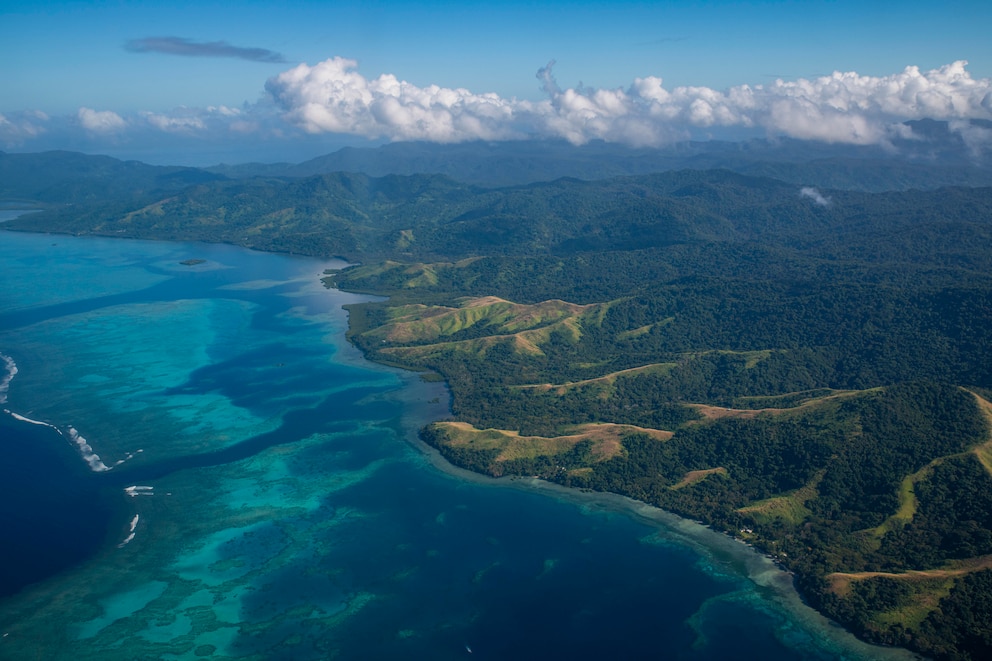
207 82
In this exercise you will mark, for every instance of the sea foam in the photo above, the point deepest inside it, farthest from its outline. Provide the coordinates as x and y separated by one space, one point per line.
10 367
135 490
89 456
16 416
130 536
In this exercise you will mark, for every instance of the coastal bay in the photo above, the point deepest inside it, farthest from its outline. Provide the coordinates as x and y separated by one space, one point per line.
338 535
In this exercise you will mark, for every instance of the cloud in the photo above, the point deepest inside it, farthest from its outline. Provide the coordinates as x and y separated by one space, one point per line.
182 46
186 135
332 103
101 121
332 97
849 108
20 127
174 124
814 195
976 135
191 121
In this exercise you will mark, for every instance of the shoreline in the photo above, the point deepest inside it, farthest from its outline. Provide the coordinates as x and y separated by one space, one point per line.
429 401
425 402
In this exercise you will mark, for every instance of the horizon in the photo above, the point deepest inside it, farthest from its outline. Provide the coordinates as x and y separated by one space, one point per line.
197 85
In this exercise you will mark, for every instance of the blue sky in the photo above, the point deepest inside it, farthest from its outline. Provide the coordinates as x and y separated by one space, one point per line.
211 80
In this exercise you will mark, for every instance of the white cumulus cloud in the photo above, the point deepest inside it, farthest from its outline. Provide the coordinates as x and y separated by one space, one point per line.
101 121
333 97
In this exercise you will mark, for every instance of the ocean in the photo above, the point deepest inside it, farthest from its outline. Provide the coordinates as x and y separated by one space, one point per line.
196 464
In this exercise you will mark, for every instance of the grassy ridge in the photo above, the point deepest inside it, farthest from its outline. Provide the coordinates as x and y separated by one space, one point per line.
600 442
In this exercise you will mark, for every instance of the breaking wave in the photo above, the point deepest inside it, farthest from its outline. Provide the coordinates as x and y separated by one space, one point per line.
11 369
86 451
139 491
130 536
89 456
15 416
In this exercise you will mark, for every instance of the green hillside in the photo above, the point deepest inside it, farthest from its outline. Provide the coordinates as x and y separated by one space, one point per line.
804 369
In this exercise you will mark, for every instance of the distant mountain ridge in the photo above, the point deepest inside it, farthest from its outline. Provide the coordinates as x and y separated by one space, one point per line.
64 177
425 216
934 157
937 157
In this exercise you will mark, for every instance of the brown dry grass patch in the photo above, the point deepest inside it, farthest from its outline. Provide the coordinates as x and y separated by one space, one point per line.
605 380
840 582
692 477
709 412
717 412
606 438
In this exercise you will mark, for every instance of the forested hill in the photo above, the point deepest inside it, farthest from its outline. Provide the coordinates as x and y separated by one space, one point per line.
63 177
804 368
930 156
430 216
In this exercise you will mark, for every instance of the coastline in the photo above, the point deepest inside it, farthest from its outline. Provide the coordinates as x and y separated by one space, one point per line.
429 401
425 402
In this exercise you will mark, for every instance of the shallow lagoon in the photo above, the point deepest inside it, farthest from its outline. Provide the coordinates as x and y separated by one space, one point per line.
263 498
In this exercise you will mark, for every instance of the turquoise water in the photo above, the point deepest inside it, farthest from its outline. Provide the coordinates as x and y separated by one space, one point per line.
196 464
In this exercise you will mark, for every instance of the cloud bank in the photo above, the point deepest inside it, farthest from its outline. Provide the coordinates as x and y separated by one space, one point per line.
333 97
331 104
182 46
143 135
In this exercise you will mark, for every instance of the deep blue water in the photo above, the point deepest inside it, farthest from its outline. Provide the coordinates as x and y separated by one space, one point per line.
289 517
53 514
